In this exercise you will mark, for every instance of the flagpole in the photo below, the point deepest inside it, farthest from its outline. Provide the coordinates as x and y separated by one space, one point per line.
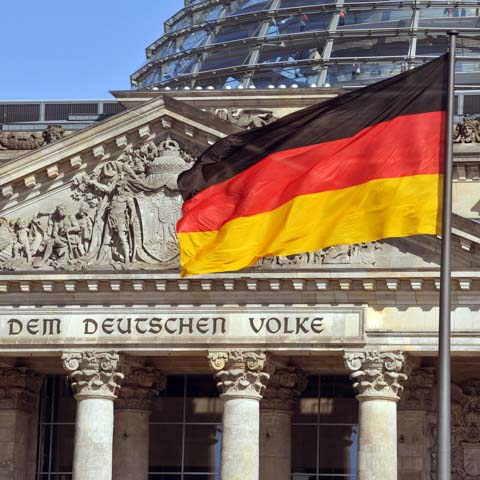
444 362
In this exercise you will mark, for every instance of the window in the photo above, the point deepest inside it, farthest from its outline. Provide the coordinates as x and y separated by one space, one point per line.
56 430
325 431
185 430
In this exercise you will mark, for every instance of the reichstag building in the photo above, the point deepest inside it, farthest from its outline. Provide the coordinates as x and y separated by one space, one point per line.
316 366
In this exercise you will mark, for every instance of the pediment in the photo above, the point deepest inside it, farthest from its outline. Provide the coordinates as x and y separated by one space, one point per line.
106 199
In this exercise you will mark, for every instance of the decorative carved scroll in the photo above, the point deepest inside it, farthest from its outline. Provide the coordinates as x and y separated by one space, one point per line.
284 388
240 372
93 374
377 374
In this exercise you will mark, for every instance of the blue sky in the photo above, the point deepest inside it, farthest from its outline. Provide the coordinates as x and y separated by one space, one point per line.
60 49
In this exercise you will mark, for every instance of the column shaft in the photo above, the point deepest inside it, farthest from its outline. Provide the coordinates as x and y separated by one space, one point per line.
95 382
130 445
378 378
241 382
240 437
92 458
19 390
132 414
275 445
377 456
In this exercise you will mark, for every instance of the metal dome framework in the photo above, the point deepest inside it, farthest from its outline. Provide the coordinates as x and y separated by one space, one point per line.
259 43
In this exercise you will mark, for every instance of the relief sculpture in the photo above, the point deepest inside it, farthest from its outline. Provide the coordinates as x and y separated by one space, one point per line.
124 216
467 131
31 140
465 432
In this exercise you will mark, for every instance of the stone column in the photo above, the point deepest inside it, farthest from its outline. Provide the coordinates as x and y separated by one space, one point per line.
19 389
377 378
414 408
95 383
276 409
132 414
241 382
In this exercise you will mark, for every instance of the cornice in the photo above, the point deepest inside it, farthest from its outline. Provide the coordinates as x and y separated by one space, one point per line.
355 281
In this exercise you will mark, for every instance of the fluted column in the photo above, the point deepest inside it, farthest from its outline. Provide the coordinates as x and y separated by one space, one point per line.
276 409
19 389
132 414
95 381
241 382
378 379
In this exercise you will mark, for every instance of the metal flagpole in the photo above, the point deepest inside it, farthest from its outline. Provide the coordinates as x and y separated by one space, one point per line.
443 423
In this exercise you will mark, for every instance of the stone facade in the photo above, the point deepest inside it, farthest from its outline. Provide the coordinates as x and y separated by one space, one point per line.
90 289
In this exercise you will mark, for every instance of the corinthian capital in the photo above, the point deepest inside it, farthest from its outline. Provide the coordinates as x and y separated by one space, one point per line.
93 374
377 374
139 388
19 388
240 372
284 388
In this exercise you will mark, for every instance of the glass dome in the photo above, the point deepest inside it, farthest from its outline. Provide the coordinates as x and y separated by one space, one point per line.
343 43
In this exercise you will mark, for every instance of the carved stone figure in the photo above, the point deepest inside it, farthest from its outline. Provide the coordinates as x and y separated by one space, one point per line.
64 238
128 209
30 140
467 131
364 254
53 133
246 118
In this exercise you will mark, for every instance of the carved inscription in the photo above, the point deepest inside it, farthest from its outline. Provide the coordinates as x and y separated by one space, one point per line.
148 326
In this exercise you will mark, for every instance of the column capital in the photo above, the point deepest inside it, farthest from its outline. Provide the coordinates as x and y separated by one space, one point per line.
240 373
19 388
418 393
284 388
140 386
376 375
93 374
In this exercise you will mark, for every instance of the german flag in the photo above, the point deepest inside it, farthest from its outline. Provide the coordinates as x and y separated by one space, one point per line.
360 167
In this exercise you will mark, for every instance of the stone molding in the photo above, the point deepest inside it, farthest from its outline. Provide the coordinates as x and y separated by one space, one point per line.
19 389
152 283
376 375
140 386
418 392
284 388
93 374
240 373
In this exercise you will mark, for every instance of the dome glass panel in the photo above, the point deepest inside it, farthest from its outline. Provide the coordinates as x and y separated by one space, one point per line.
384 18
269 42
241 7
